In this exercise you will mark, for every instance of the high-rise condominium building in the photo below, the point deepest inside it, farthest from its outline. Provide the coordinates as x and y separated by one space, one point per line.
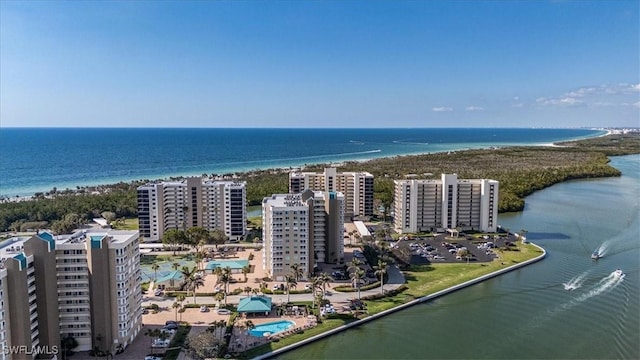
85 285
192 202
448 203
302 229
357 188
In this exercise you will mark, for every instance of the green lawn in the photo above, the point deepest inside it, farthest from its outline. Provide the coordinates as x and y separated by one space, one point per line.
421 281
428 279
128 224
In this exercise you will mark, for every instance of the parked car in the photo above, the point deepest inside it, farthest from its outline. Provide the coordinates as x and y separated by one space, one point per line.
172 326
160 343
152 357
223 312
204 308
158 292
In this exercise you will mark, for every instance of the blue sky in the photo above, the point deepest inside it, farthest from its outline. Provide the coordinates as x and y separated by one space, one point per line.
319 63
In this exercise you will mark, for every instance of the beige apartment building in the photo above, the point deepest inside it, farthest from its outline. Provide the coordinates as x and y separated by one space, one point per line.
85 285
447 203
357 188
192 202
304 229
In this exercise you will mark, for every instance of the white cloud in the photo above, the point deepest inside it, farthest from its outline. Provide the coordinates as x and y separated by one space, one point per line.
442 109
564 101
517 105
474 108
637 104
606 95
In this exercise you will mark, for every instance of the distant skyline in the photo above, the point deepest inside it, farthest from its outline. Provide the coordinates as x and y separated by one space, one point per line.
320 64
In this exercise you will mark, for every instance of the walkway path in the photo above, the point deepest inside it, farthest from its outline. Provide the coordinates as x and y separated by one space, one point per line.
396 279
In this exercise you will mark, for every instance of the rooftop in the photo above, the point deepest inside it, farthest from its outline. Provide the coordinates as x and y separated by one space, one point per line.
254 304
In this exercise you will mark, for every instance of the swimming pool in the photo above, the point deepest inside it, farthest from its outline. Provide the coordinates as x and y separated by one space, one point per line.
272 328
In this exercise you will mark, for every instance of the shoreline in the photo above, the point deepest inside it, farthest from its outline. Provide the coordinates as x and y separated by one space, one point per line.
401 307
28 196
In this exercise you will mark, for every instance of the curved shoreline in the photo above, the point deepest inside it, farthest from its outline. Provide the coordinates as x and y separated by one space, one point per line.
32 190
404 306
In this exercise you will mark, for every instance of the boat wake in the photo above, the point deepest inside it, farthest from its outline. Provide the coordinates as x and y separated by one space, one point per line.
608 283
576 282
409 142
604 285
601 250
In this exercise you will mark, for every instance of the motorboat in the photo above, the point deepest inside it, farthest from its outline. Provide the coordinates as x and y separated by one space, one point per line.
595 255
618 273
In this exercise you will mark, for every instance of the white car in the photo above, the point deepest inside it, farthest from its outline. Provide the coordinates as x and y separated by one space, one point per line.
151 357
223 312
160 343
204 308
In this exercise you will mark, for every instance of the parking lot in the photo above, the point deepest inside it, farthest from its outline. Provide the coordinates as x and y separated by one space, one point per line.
446 249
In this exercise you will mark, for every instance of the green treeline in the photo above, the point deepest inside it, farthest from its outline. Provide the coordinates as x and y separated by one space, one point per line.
65 210
520 170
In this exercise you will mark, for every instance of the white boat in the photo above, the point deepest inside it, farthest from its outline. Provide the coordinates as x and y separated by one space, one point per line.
618 273
595 255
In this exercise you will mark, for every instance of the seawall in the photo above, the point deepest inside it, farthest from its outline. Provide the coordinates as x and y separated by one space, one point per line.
404 306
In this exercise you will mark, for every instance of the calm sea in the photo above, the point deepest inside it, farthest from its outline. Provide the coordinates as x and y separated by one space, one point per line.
528 313
33 160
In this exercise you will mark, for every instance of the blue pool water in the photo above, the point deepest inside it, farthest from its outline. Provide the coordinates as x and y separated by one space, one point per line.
272 327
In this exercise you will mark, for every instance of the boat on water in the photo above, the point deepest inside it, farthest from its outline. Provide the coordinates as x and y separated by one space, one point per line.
595 255
618 273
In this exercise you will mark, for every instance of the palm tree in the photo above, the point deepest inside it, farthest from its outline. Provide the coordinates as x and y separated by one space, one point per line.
249 325
316 284
324 279
225 279
381 270
195 283
356 276
176 306
198 257
245 270
296 271
247 290
357 236
187 274
155 267
291 283
218 272
255 291
354 265
191 281
219 296
175 265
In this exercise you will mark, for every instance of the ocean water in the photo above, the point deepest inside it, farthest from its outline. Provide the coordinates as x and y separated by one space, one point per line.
531 313
39 159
